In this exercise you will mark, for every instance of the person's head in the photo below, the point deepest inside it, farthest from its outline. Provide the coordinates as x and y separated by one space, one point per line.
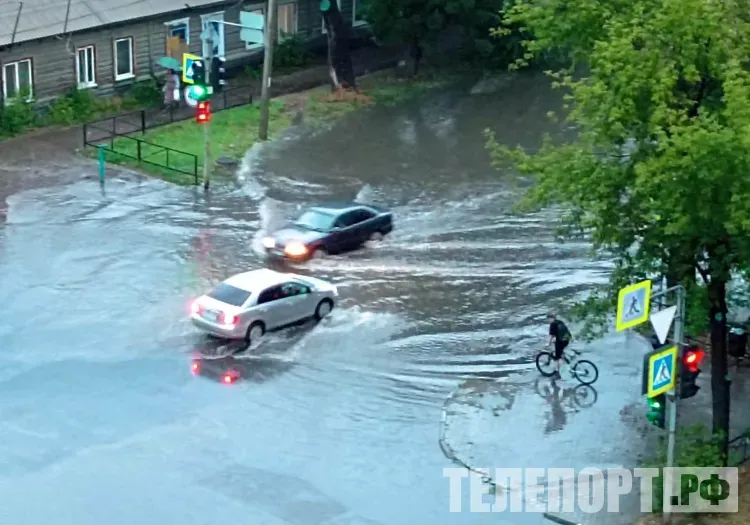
551 317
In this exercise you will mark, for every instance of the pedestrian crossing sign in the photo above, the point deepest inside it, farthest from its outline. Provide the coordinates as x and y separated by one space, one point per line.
633 305
660 371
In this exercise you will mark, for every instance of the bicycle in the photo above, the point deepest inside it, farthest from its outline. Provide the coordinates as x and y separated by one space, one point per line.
583 370
582 396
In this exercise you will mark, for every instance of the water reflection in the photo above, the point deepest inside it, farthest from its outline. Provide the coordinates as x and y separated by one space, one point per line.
563 399
232 369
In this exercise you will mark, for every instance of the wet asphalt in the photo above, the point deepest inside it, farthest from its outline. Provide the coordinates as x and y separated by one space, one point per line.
114 408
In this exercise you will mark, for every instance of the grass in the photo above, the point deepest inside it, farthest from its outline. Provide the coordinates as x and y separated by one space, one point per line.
235 130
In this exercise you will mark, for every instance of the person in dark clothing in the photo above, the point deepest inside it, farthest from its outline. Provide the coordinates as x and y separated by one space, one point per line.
559 335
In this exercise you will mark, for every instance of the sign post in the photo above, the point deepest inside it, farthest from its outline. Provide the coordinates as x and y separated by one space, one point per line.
102 164
660 367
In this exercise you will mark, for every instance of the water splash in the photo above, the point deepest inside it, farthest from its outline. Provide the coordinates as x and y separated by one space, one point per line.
248 172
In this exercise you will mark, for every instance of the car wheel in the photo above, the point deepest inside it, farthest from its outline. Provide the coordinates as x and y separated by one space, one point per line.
318 254
255 333
323 309
376 237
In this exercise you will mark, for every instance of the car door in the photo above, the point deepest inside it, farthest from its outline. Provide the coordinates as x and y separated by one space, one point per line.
341 237
363 224
271 307
300 300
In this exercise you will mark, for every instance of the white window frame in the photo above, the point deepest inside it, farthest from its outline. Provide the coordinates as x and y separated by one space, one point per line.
180 22
89 83
356 22
296 19
323 20
17 80
218 16
131 61
251 9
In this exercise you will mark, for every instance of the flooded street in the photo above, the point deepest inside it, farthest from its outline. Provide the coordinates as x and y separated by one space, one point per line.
113 408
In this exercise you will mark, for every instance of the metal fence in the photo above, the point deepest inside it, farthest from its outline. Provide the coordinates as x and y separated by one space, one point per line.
145 119
140 150
113 133
739 448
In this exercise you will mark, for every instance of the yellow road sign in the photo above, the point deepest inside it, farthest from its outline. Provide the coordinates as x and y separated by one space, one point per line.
660 371
187 67
633 304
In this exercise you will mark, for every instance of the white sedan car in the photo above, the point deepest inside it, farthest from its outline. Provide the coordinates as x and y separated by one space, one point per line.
249 304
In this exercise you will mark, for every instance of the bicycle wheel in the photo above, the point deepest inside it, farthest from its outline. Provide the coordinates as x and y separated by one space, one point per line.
585 371
545 364
584 396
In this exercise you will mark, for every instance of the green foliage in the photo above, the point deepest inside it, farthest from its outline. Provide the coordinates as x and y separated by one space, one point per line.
75 107
695 447
253 72
658 176
147 93
16 117
291 53
423 21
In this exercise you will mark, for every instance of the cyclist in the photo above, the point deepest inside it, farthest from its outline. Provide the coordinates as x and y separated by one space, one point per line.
560 336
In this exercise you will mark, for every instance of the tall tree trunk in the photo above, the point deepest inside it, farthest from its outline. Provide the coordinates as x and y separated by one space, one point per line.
415 53
717 292
339 53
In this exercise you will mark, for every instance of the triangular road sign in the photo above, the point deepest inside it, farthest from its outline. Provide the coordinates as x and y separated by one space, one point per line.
662 322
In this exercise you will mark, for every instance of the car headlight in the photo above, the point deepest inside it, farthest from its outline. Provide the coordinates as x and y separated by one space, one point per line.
295 249
269 242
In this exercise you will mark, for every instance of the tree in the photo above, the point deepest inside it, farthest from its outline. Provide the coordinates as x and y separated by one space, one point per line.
421 23
340 65
659 173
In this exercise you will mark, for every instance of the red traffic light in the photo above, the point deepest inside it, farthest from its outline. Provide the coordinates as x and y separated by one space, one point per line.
203 113
693 359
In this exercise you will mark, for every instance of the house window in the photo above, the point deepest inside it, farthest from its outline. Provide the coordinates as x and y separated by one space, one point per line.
261 12
123 58
18 80
86 67
287 21
323 20
359 11
179 28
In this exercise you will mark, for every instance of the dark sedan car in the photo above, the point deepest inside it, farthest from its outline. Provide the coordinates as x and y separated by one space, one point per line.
329 230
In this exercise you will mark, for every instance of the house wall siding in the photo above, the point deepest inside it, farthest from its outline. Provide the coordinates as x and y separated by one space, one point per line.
54 60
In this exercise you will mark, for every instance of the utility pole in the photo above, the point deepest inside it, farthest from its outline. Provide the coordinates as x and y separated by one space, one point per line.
267 66
207 52
672 397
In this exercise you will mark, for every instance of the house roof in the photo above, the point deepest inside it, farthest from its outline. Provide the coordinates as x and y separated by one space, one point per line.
44 18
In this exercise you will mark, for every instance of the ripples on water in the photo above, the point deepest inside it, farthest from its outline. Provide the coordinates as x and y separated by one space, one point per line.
455 292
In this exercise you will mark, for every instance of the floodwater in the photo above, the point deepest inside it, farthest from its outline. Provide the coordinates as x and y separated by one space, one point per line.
114 410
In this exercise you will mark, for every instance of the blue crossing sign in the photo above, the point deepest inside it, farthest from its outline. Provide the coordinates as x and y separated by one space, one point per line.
633 305
187 67
659 371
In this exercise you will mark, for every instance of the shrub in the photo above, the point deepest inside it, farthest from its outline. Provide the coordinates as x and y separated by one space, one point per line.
16 117
290 53
695 447
147 93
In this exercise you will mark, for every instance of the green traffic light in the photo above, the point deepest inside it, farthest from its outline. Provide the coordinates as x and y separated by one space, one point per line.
198 92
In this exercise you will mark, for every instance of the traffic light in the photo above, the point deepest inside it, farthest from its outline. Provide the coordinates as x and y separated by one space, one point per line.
203 112
657 407
218 73
689 371
199 74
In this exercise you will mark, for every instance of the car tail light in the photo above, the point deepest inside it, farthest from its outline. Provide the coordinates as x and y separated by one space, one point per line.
195 367
195 307
295 249
228 319
229 378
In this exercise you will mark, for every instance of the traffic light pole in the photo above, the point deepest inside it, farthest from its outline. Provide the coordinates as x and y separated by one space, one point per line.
265 93
672 397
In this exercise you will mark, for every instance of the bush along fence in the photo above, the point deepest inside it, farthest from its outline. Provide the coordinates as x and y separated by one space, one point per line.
113 133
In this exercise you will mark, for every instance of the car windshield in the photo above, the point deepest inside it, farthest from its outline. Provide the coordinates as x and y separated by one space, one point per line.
226 293
315 220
